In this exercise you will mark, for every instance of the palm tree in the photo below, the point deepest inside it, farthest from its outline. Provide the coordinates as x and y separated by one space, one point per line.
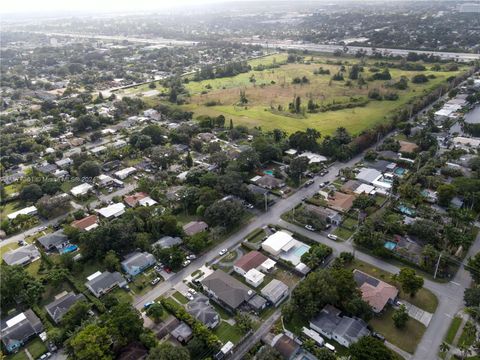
444 347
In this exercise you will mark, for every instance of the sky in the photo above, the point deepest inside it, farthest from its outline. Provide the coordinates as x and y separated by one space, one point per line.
74 6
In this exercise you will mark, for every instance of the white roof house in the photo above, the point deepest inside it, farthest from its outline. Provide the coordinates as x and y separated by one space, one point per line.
124 173
81 189
254 277
31 210
364 189
114 210
103 180
465 141
368 175
313 158
277 242
98 150
147 201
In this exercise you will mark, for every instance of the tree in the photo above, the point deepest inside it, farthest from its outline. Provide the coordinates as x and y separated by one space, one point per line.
167 351
75 315
446 193
409 280
53 206
111 261
297 167
31 192
243 322
155 311
124 322
225 213
471 297
156 134
89 169
444 347
189 160
92 342
268 353
400 317
316 255
18 285
474 267
369 348
56 276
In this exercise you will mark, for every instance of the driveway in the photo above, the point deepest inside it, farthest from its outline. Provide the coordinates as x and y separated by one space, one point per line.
418 314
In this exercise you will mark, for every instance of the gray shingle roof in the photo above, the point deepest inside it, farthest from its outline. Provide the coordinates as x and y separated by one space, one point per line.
274 290
60 306
227 289
202 310
22 330
53 240
138 260
105 281
22 255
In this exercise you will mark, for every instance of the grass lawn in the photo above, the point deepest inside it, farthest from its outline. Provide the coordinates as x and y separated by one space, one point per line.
141 283
342 233
122 295
350 223
424 298
6 248
182 299
11 207
256 236
220 310
18 356
296 324
467 338
36 348
406 339
453 329
227 332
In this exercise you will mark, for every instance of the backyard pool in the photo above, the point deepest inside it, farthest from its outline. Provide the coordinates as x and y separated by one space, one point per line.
299 251
68 249
399 171
406 210
390 245
268 172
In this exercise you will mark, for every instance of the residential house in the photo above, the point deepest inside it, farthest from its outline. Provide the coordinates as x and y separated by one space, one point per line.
88 223
101 283
62 303
375 292
350 186
226 290
282 245
103 180
54 241
124 173
194 227
30 211
328 215
275 292
46 168
340 202
182 333
64 163
17 330
167 242
257 303
139 198
136 262
254 277
201 309
343 329
81 190
111 211
313 158
249 261
268 182
22 256
466 142
286 346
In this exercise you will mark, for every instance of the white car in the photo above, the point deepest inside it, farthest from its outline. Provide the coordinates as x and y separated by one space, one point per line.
192 291
189 296
186 263
155 281
333 237
223 252
191 257
309 227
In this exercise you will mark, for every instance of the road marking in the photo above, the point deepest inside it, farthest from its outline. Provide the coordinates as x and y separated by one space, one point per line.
455 283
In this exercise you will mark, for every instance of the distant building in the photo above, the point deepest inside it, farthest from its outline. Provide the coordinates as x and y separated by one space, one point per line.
54 241
194 227
57 308
182 333
22 256
202 310
139 198
282 245
275 292
81 190
249 261
470 8
101 283
30 211
343 329
375 292
124 173
87 223
286 346
18 329
328 215
254 277
167 242
114 210
136 262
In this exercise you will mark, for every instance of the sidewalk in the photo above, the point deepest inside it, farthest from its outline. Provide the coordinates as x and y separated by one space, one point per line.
418 314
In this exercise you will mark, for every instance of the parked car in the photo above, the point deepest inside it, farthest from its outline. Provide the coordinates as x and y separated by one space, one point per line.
309 227
155 281
192 291
333 237
157 268
223 252
321 185
186 263
191 257
249 206
378 336
167 269
189 296
309 183
148 304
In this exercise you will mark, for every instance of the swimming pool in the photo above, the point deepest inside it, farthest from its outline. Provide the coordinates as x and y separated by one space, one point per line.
390 245
68 249
302 249
406 210
399 171
268 172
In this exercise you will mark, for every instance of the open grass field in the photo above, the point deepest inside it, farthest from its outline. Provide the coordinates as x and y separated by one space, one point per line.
227 332
268 89
406 339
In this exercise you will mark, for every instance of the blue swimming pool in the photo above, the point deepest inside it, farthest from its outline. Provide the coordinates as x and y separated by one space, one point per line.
301 250
390 245
399 171
268 172
406 210
68 249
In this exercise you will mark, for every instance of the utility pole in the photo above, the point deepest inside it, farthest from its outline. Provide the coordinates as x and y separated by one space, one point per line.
438 264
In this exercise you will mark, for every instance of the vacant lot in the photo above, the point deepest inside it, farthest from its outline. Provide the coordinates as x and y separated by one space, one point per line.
268 89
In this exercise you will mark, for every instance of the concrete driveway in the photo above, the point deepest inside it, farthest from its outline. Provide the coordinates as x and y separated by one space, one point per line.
418 314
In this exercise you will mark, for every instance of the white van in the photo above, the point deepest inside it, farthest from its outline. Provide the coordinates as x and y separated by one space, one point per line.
330 347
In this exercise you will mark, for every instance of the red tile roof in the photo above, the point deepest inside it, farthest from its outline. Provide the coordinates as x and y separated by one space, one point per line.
251 260
133 200
86 222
